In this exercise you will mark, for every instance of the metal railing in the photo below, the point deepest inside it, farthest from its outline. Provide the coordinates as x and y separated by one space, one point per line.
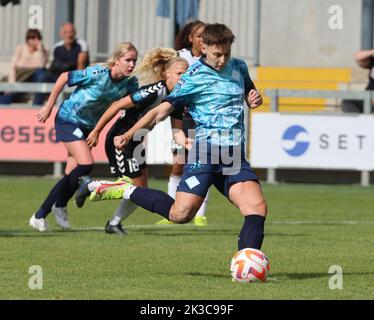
24 87
20 87
275 94
366 96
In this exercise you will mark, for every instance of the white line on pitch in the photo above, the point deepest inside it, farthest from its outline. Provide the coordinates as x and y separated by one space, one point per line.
188 225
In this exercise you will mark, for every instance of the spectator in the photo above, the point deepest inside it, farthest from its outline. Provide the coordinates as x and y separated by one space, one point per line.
68 54
28 62
365 59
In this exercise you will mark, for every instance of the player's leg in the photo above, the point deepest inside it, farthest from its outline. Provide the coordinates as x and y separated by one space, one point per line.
190 195
200 218
59 207
124 162
126 206
116 160
180 210
244 191
77 164
80 164
38 220
248 197
185 207
174 179
82 155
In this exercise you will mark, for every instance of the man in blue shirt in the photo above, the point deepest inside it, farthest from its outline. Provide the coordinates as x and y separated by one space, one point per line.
68 54
214 89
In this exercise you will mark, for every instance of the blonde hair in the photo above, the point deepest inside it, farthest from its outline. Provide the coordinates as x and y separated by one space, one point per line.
121 49
154 65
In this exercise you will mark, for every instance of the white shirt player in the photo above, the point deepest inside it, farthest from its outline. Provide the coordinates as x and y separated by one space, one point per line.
187 55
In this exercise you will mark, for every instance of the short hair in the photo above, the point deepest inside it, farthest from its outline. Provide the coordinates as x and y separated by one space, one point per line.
33 33
217 34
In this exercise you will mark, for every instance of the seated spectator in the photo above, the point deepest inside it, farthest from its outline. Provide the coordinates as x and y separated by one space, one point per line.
365 59
28 62
68 54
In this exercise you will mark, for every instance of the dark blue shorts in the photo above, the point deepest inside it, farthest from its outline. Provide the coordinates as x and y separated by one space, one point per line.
198 179
68 131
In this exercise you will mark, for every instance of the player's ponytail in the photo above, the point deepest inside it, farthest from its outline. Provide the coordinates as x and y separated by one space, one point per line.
154 65
119 51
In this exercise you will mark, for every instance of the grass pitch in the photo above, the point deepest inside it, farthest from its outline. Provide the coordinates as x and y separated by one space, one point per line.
309 229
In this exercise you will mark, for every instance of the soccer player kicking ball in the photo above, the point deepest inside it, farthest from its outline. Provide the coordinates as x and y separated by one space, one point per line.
214 89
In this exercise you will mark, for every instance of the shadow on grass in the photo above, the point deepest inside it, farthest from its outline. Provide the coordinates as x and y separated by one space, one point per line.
156 231
315 275
24 234
272 277
281 276
174 232
49 233
205 275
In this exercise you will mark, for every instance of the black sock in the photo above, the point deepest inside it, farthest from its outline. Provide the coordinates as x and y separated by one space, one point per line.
153 200
73 183
52 197
252 233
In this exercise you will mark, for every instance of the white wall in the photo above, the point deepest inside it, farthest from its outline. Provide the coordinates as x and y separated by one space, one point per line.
293 32
296 33
136 21
239 15
14 22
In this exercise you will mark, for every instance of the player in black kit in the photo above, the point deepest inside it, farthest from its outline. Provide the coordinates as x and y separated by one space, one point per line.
160 70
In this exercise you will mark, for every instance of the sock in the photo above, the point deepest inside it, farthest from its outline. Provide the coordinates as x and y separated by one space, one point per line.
153 200
125 208
52 197
173 184
128 192
93 185
73 183
202 208
96 183
252 233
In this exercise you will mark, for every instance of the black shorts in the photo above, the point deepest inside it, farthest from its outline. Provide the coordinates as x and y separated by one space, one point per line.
128 162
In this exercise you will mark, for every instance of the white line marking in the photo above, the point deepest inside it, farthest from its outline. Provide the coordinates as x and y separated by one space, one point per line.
189 225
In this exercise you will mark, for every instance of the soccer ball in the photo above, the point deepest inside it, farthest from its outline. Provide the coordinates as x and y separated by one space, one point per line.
249 265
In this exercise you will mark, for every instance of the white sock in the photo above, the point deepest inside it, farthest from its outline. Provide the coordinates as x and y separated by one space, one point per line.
202 209
125 208
128 192
96 183
173 184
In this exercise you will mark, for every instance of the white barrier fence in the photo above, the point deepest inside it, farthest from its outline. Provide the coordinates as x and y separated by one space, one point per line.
325 141
279 140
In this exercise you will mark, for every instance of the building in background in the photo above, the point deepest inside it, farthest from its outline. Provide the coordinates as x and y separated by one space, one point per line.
269 33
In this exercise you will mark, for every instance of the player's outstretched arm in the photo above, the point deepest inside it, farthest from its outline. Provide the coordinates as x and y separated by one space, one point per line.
44 113
254 99
124 103
148 121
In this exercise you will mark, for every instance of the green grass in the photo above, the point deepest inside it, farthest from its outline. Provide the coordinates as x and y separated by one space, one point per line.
309 229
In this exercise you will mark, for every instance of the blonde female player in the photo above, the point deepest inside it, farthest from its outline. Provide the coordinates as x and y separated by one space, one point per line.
160 71
96 88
